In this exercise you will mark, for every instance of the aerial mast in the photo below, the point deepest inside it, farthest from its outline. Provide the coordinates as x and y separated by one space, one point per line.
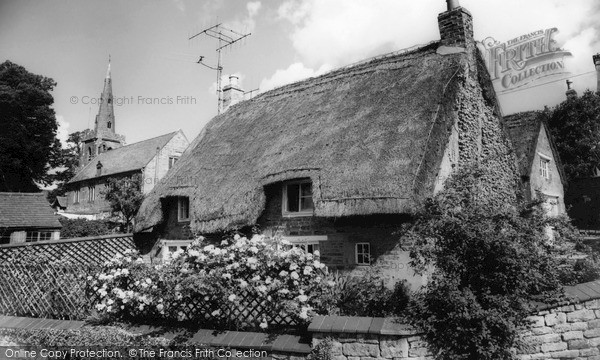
226 37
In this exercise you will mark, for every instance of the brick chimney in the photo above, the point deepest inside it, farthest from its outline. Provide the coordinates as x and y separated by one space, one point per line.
232 94
597 63
571 93
456 26
98 168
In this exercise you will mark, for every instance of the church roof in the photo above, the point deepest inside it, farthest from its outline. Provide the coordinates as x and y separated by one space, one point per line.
26 210
370 136
124 159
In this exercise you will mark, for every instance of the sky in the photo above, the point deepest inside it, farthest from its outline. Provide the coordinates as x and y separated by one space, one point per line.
161 88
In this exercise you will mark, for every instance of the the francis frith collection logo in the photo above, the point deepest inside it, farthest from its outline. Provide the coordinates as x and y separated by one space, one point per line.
523 60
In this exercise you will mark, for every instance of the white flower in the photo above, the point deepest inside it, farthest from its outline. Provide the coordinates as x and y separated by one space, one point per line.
148 281
216 312
293 266
100 307
125 271
110 302
236 237
316 253
284 291
283 273
194 253
253 249
262 288
302 298
264 325
294 275
307 270
226 276
252 260
231 297
160 307
243 284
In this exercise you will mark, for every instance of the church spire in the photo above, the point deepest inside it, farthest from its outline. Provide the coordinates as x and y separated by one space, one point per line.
105 120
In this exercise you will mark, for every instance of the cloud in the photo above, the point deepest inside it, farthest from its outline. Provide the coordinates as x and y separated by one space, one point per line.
62 133
180 5
247 23
339 32
295 72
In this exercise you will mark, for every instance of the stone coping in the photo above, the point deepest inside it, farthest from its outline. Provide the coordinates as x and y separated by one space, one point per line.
575 294
360 325
232 339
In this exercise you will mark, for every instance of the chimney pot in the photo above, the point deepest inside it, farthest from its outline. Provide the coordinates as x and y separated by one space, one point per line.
452 4
233 81
597 63
571 93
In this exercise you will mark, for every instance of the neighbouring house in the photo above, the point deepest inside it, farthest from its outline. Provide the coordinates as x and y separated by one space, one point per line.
337 163
539 164
150 158
27 217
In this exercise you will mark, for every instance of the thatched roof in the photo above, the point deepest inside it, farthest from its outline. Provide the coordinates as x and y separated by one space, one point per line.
370 136
124 159
523 129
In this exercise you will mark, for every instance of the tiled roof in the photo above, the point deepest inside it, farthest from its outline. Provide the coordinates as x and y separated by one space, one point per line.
90 250
124 159
26 210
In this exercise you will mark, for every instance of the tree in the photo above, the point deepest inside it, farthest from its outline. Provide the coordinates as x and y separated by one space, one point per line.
28 144
124 196
488 262
575 127
69 162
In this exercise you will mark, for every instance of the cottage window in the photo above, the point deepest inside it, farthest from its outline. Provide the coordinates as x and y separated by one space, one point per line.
298 198
34 236
183 208
544 165
89 153
76 196
363 254
172 161
91 193
309 244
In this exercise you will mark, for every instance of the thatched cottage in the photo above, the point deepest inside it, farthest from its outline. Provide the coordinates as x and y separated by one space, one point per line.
338 162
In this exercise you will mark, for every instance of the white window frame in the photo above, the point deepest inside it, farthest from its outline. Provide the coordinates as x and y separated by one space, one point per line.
172 161
303 242
91 193
544 168
36 235
181 200
284 204
76 196
363 253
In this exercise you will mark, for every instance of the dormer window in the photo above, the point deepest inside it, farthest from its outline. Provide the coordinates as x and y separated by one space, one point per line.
183 208
298 198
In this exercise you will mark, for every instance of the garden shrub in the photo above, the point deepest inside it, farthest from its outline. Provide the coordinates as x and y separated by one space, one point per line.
488 262
74 228
366 295
323 351
217 287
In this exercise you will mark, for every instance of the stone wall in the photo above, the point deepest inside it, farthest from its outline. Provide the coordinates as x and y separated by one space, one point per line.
566 332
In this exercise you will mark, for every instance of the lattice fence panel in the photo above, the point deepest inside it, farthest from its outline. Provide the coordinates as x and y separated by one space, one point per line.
45 290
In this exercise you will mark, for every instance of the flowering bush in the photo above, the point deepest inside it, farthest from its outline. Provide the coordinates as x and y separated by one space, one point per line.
127 288
241 284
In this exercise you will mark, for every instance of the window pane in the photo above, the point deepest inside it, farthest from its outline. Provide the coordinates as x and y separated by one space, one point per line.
306 203
293 192
306 189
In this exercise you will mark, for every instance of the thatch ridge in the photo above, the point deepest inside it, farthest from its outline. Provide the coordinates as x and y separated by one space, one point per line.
359 133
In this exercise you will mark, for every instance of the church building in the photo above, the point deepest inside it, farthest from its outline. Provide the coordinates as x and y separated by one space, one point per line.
104 155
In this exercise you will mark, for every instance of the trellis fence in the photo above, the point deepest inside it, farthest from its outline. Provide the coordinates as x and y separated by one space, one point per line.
45 290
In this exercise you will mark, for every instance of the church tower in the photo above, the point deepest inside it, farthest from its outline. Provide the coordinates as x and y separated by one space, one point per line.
104 136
